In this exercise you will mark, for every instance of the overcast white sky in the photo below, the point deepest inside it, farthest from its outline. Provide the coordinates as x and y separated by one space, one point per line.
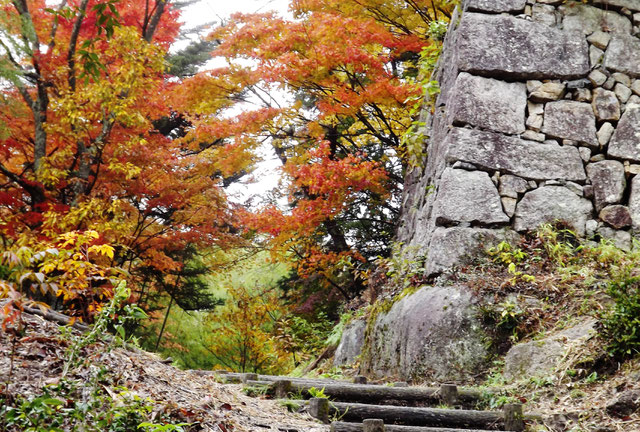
215 10
206 10
258 185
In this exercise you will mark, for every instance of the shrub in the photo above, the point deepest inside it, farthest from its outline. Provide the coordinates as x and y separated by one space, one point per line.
621 324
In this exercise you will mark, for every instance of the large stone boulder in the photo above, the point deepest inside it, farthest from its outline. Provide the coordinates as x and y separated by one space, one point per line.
605 105
542 357
624 142
467 196
623 55
451 247
617 216
431 334
587 19
504 46
634 203
351 343
571 120
549 204
496 5
527 159
607 178
489 104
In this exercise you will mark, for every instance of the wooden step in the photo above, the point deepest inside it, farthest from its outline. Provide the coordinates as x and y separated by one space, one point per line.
347 392
242 377
346 404
358 427
367 393
511 418
463 419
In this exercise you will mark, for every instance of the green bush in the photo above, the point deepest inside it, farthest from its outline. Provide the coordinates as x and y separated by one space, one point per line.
63 407
621 324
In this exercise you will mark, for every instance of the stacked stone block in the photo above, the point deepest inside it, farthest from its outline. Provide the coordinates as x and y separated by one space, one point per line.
538 120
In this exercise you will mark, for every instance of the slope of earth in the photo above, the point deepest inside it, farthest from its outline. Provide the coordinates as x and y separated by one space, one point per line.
35 358
562 322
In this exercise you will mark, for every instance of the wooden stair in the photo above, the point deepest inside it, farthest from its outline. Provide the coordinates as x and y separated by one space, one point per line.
380 408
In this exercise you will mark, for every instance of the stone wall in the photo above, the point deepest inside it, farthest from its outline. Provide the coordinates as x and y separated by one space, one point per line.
538 119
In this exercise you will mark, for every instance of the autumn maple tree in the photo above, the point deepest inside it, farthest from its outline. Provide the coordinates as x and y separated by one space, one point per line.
349 68
81 158
111 167
241 333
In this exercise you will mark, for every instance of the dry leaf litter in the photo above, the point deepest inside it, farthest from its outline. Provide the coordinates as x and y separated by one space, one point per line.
38 360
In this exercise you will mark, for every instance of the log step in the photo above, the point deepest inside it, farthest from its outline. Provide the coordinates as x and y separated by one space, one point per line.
357 412
377 393
358 427
352 392
240 377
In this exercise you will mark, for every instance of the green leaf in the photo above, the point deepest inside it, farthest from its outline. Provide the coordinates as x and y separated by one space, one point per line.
52 401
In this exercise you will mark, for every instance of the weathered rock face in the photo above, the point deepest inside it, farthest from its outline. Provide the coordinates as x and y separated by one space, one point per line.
549 204
351 343
544 14
497 5
504 46
607 178
586 19
634 202
489 104
527 159
433 332
605 105
471 197
616 216
570 120
625 139
452 247
540 358
512 186
545 92
623 55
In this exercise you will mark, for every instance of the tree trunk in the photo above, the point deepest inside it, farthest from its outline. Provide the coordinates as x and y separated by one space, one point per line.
164 323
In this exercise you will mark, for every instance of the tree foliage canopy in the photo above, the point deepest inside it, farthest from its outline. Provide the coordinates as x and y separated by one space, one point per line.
118 161
351 69
84 85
